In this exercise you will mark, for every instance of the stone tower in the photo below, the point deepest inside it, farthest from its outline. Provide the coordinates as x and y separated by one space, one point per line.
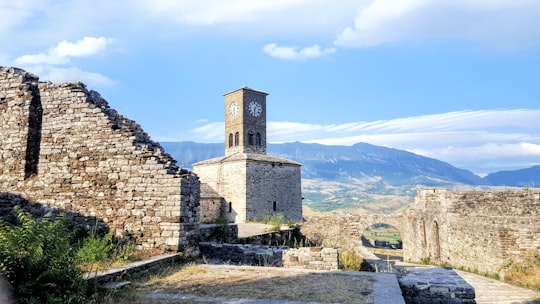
246 184
245 121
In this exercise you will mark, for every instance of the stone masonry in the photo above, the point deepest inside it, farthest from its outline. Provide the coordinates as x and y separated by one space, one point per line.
252 186
476 230
480 231
63 148
318 258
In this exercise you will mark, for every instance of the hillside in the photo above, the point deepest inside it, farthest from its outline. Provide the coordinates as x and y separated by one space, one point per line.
360 177
529 177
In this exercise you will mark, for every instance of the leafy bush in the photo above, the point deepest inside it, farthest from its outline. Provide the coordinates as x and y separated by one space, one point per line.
350 261
39 261
95 249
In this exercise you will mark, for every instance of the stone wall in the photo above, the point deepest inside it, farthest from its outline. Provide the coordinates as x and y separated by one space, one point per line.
476 230
318 258
63 147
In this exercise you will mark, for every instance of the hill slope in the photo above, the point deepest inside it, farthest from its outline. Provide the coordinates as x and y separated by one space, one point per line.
360 177
517 178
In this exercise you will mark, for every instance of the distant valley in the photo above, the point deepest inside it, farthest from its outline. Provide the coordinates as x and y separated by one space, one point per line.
362 177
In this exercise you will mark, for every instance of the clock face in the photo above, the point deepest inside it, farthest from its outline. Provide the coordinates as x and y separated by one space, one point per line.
233 109
254 108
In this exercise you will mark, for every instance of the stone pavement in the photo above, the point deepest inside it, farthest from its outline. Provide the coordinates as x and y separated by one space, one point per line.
251 229
497 292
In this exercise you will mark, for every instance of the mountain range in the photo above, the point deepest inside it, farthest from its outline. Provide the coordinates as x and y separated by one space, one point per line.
373 178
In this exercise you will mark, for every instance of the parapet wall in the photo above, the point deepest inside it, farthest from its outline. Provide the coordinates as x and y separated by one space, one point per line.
63 147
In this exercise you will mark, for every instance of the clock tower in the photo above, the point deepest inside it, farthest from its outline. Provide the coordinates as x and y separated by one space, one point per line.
245 121
247 184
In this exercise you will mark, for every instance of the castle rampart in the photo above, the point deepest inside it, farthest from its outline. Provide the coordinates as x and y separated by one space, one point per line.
63 147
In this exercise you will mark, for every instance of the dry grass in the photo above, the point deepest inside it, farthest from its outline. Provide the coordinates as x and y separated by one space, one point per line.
525 276
224 281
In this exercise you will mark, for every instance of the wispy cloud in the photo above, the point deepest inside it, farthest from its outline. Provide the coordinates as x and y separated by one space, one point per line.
56 65
295 53
473 140
499 23
212 12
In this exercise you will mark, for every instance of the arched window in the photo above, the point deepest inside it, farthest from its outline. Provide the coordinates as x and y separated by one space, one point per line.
258 139
230 140
437 245
250 138
236 139
424 237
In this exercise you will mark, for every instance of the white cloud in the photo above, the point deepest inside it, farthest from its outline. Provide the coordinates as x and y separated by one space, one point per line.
55 65
295 53
15 13
75 74
60 54
212 12
500 23
213 131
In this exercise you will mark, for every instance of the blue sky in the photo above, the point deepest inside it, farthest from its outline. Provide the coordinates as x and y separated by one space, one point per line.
454 80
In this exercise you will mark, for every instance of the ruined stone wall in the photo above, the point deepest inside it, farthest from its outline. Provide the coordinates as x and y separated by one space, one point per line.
62 146
480 231
318 258
476 230
337 229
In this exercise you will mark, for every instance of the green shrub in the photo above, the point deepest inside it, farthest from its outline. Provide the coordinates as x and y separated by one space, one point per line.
96 249
39 261
350 261
276 220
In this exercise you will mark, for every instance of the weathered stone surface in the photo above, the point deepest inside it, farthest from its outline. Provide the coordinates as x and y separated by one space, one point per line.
304 257
427 285
64 148
477 230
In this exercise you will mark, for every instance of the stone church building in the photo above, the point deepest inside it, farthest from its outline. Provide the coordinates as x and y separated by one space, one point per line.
247 184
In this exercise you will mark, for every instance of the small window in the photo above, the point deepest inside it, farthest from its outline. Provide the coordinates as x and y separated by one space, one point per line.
230 140
258 139
250 138
236 139
274 206
230 207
